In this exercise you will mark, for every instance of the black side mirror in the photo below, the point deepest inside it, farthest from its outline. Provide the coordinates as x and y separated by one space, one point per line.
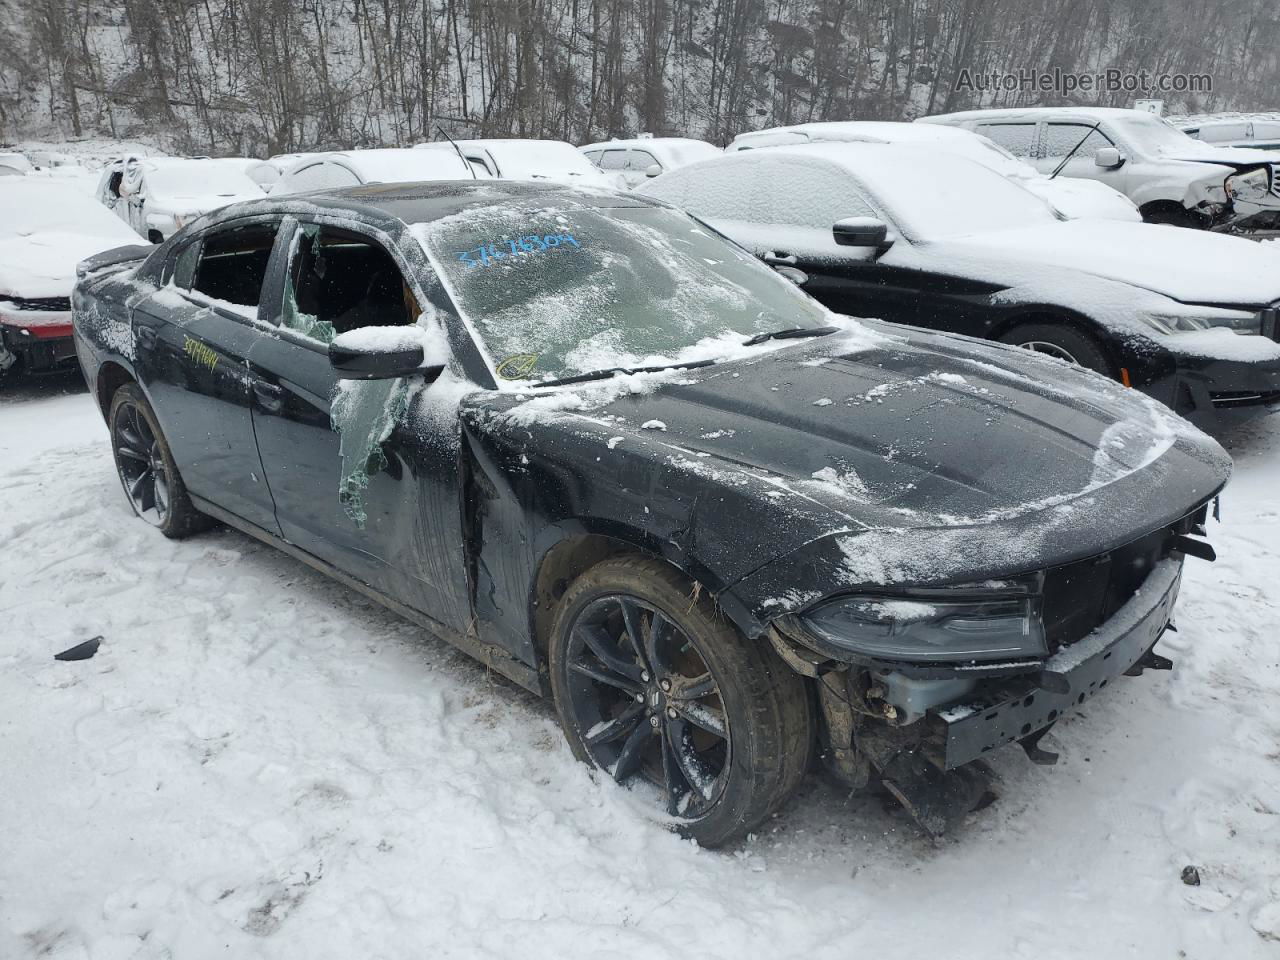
357 358
862 232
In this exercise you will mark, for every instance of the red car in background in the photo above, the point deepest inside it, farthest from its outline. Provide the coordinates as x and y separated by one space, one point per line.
46 228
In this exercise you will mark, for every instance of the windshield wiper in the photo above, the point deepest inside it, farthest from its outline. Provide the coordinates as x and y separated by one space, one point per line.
1058 169
791 333
607 372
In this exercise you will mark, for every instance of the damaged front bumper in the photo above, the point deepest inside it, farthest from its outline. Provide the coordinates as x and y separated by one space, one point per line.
37 340
1020 709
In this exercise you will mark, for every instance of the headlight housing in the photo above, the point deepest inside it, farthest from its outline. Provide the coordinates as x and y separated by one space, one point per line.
1252 187
974 623
1237 322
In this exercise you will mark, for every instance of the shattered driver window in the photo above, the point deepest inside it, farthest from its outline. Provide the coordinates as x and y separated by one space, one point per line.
340 281
233 263
565 289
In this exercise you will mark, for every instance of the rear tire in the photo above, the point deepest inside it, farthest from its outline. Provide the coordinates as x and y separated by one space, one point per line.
1063 342
717 723
152 484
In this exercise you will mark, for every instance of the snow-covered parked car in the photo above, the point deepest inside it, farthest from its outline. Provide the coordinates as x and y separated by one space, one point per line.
1259 131
1073 198
646 157
625 464
157 195
14 163
933 240
46 227
1169 176
352 168
552 160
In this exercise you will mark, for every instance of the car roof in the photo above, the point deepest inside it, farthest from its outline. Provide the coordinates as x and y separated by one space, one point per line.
1096 113
433 200
870 131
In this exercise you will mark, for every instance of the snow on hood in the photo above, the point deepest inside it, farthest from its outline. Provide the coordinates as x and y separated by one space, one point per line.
1191 266
1197 152
917 457
43 264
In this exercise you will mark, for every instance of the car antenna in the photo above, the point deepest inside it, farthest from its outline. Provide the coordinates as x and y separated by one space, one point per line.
459 149
1092 131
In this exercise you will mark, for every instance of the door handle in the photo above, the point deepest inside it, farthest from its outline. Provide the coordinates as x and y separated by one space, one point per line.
270 395
147 335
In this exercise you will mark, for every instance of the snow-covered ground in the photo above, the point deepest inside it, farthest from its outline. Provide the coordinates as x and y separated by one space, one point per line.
260 763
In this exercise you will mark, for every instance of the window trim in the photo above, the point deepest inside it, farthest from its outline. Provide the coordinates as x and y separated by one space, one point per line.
1091 127
369 232
202 300
1037 135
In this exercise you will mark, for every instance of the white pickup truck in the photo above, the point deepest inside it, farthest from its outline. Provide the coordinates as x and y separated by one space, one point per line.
1170 176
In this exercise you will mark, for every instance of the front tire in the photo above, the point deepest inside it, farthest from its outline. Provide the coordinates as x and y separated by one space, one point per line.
1062 342
151 481
654 686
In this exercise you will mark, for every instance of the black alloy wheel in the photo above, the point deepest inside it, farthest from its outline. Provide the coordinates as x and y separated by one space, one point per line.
647 704
147 472
657 689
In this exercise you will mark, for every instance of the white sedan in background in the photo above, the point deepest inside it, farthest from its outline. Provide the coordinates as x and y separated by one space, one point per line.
1071 198
646 157
157 195
47 227
552 160
353 168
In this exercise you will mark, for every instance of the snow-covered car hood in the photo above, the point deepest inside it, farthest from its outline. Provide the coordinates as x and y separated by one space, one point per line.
195 204
1209 153
920 458
1079 198
1192 266
43 264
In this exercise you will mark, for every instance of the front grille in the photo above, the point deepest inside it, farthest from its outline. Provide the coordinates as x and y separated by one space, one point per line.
50 304
1081 596
1244 398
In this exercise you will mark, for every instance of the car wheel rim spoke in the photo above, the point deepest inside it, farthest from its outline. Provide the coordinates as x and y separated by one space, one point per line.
632 754
600 643
707 718
605 676
620 726
694 776
634 631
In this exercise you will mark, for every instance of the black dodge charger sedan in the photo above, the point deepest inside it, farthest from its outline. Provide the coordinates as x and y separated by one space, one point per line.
625 464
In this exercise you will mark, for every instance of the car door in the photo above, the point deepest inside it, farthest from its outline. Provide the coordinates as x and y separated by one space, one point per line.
638 165
614 161
362 476
786 207
193 338
1019 137
1060 138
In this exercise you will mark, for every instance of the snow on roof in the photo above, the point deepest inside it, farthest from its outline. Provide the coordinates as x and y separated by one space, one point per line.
524 159
950 139
930 195
671 151
401 165
1097 113
16 161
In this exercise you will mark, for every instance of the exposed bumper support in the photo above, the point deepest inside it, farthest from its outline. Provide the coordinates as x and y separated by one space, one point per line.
1070 677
